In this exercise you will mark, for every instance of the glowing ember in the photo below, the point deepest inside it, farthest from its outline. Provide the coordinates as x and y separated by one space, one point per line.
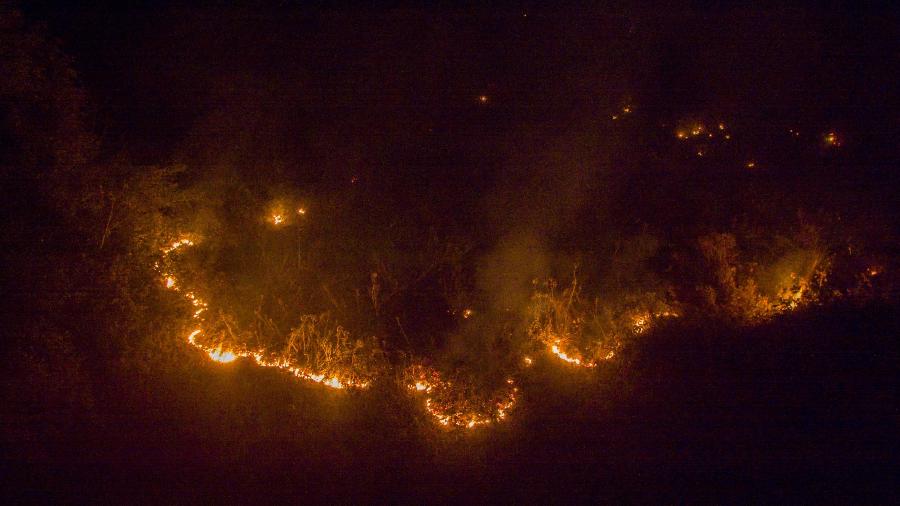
277 219
467 313
832 140
483 99
301 211
444 403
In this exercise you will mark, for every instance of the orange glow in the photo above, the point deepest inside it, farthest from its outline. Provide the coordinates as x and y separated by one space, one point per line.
554 348
483 99
223 357
444 404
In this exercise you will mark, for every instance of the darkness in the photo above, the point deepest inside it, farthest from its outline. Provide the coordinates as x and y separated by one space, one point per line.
634 253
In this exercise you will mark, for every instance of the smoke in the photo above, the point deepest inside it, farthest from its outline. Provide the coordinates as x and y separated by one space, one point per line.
538 201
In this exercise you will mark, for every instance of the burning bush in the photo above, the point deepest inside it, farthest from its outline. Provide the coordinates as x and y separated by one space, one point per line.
582 330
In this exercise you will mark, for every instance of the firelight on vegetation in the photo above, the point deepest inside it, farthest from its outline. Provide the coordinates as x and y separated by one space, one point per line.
222 354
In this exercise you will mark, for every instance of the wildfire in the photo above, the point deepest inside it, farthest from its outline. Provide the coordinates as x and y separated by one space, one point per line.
222 356
225 355
444 405
832 140
554 348
177 244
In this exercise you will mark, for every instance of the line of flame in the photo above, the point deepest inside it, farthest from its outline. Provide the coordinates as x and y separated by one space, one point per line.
225 355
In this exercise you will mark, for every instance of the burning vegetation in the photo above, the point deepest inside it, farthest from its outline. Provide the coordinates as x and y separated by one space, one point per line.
521 249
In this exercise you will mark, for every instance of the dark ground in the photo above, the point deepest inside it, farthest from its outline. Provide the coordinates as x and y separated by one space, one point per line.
800 410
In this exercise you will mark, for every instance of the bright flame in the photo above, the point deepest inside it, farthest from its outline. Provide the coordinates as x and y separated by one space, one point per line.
441 402
177 244
554 348
277 219
222 356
